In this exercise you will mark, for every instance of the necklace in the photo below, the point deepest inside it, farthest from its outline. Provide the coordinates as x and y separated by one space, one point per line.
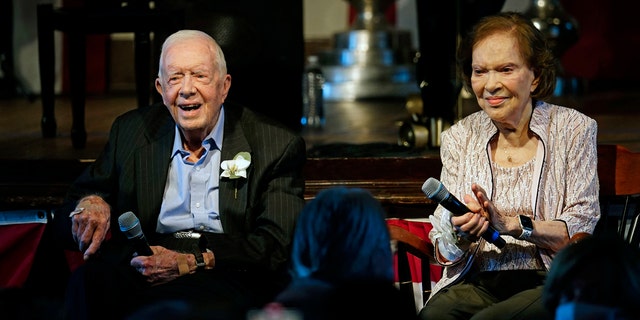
509 158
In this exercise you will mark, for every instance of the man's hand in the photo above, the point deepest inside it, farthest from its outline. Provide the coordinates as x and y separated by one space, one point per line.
91 225
163 265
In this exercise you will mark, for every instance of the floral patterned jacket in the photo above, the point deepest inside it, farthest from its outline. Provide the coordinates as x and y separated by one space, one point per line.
566 188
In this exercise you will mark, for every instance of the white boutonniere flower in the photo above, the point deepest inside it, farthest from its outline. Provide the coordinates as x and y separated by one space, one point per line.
236 168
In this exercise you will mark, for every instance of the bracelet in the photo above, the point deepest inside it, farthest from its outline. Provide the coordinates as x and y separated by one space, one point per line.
183 265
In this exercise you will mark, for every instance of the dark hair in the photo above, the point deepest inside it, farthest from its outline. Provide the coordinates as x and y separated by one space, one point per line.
342 235
533 46
601 269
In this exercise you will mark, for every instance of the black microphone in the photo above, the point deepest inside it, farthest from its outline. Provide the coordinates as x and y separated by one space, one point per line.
435 190
130 226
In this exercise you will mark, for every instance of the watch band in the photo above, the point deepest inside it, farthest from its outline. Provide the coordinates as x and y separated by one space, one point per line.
199 258
527 227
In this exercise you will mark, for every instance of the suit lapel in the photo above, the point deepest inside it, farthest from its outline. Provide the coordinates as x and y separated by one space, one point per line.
233 192
152 164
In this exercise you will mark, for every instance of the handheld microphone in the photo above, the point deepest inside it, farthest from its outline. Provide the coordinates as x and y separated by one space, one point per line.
436 191
130 226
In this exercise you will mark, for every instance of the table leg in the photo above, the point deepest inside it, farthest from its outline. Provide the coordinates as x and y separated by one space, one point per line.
46 60
77 79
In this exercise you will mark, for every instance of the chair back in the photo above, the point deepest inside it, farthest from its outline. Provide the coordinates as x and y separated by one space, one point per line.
416 267
618 169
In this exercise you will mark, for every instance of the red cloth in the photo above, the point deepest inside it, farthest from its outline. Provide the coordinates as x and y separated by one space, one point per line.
18 246
74 259
421 229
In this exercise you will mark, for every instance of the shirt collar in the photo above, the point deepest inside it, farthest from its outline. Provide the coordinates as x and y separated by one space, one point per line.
212 141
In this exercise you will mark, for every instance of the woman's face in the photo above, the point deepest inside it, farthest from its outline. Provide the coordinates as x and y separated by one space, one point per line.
501 80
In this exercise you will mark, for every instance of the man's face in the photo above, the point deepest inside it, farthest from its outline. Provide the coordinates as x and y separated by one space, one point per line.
191 86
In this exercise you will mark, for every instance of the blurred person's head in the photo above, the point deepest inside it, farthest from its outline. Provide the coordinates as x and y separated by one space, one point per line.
342 235
596 278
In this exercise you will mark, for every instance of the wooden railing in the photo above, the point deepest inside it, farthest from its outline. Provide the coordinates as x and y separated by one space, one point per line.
395 181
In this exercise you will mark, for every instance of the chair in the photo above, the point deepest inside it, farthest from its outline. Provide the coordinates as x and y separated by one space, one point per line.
20 234
577 237
97 17
414 285
618 169
632 234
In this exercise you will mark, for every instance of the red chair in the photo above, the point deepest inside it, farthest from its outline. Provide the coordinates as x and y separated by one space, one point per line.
20 235
618 169
416 268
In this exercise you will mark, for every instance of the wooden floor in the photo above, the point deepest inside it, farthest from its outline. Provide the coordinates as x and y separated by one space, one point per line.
21 136
616 111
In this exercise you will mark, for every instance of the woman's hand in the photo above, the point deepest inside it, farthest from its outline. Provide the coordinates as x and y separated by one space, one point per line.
496 219
472 224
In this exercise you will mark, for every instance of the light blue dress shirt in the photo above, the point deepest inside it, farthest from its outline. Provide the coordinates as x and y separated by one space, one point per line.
191 193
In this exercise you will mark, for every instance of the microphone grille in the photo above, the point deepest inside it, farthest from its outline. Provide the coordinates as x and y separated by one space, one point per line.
435 190
130 225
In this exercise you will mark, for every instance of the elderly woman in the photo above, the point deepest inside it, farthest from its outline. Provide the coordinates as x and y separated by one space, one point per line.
524 167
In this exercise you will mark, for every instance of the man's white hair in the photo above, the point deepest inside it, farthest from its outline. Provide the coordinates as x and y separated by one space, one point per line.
184 35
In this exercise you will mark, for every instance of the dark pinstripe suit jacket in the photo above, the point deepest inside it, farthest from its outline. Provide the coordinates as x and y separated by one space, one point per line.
131 173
